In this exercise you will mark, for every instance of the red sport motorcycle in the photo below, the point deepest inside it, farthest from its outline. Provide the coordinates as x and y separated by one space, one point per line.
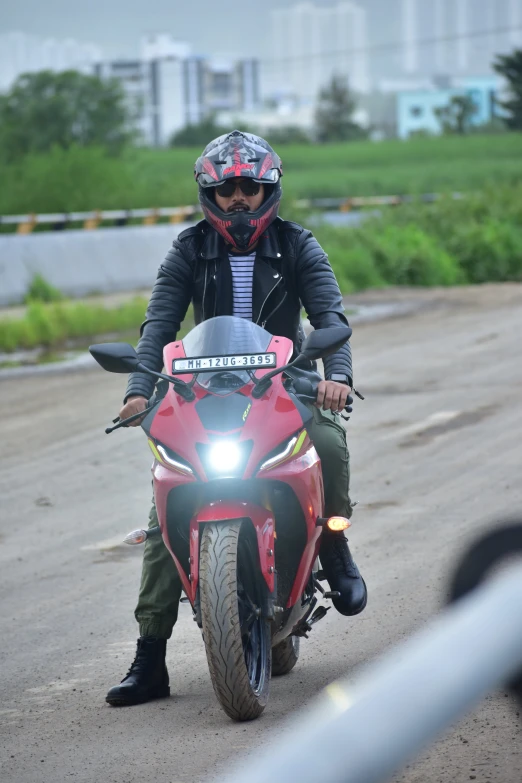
239 493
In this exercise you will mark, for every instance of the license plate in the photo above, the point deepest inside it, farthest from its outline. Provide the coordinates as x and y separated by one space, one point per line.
210 363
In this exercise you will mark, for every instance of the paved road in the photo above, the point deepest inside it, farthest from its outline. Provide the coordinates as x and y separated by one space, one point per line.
436 453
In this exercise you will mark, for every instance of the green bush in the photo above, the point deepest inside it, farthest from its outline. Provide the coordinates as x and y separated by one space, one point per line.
472 240
51 324
409 256
378 255
351 259
490 251
42 291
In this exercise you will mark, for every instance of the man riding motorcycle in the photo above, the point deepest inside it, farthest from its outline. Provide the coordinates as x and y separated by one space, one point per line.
242 260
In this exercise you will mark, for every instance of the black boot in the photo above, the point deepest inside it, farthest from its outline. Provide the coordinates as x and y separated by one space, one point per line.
342 573
147 678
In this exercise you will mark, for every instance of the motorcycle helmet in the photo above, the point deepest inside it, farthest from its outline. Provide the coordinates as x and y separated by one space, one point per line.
239 154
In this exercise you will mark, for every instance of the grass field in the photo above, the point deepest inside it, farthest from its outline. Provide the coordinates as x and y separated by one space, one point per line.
85 179
473 240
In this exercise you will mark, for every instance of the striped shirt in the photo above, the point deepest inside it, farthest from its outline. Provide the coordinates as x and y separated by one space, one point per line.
242 267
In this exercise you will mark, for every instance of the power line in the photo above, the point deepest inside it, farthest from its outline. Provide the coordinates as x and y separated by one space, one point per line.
278 61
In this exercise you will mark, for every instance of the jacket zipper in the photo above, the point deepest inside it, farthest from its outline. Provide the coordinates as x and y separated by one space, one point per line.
266 300
204 291
215 288
274 311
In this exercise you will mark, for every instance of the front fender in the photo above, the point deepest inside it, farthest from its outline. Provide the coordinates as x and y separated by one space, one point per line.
223 511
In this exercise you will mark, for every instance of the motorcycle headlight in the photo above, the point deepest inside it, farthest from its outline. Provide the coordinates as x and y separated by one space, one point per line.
167 457
224 457
287 449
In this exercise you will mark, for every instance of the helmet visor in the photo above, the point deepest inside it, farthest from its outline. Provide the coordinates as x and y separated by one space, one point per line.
207 181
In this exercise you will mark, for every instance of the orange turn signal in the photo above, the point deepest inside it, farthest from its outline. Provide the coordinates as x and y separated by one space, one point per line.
136 537
338 523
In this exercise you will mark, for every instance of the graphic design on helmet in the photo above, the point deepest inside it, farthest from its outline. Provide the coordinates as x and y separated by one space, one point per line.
238 167
209 169
239 155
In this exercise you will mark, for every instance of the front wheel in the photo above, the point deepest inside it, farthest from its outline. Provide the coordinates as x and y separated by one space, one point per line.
236 636
285 655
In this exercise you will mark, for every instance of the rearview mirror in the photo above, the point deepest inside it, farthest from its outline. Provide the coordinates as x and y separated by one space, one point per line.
323 342
116 357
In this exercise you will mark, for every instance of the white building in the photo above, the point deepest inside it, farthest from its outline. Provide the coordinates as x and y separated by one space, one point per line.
311 43
21 53
164 95
451 36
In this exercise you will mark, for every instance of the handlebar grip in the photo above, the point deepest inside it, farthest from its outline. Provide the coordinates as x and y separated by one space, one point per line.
304 387
313 397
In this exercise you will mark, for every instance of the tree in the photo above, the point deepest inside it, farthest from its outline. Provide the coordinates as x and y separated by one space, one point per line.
510 67
198 135
287 134
335 109
457 115
48 109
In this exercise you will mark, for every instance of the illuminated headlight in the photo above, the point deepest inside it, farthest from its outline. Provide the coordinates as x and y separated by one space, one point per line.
288 449
164 456
224 457
280 456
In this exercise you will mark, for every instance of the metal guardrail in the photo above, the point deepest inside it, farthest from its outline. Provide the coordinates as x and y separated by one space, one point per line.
91 220
365 733
359 202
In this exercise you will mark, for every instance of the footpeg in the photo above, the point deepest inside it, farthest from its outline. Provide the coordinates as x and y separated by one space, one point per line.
305 626
332 594
319 613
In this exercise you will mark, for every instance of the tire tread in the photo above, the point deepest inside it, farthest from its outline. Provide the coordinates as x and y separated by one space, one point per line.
221 626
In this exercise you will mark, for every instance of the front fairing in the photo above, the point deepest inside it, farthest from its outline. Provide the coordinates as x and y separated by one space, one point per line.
257 426
226 411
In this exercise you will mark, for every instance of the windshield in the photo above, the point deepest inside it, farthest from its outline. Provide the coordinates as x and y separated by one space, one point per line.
227 336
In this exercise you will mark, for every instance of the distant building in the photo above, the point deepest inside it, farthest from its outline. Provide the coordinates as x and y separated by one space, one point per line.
230 85
168 93
457 37
270 119
416 109
311 43
21 53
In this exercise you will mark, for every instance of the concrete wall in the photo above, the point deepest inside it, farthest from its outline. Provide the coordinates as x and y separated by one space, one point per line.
82 262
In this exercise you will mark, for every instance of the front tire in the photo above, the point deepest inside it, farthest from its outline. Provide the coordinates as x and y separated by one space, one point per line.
237 638
285 656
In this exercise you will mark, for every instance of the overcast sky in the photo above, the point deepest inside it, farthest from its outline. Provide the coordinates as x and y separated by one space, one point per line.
211 26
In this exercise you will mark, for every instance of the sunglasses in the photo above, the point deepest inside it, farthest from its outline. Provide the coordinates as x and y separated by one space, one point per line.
247 186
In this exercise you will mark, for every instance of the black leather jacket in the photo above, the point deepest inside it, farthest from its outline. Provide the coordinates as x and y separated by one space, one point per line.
291 269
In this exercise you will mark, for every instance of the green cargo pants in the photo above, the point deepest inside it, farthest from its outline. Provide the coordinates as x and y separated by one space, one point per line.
160 590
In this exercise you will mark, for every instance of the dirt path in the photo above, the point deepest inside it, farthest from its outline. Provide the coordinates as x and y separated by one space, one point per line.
67 588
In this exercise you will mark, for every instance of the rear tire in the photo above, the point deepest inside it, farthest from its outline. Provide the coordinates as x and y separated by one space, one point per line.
239 657
285 656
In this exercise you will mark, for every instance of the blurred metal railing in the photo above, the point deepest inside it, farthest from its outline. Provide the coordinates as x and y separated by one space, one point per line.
359 202
93 219
90 220
363 733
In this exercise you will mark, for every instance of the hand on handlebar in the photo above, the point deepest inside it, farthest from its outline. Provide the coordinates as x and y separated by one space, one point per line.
333 396
132 406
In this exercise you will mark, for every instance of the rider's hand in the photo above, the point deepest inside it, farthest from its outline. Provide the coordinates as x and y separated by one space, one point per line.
332 396
132 406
